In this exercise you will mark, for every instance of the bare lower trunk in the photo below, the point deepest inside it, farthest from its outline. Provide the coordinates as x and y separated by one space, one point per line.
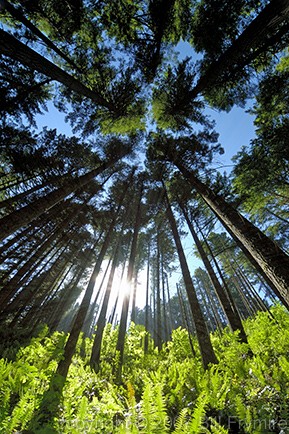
270 258
233 318
28 213
205 345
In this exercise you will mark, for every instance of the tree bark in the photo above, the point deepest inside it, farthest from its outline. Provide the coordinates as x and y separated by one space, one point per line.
28 213
16 50
233 318
205 345
270 258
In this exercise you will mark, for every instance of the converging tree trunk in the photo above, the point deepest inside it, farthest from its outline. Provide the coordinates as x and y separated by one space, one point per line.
100 325
271 259
205 345
233 317
25 215
16 50
126 299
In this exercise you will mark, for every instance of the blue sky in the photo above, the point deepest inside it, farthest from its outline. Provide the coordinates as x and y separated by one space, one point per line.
235 129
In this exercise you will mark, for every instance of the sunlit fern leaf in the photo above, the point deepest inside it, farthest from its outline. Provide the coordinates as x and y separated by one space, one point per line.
196 425
216 428
182 422
154 419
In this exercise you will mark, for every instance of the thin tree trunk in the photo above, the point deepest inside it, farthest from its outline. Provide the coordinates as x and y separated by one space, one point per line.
270 258
158 298
125 304
205 345
25 215
94 307
70 346
29 267
169 305
185 318
134 292
146 339
69 297
166 335
50 278
18 15
209 304
16 50
233 318
96 347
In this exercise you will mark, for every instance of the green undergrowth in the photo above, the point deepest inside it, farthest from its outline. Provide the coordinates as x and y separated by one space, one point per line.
161 392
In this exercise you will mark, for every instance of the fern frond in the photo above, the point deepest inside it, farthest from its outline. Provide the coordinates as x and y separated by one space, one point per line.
216 428
182 422
196 425
154 419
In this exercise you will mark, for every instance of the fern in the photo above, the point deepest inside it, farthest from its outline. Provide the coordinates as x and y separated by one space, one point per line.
182 422
196 425
154 419
160 387
216 428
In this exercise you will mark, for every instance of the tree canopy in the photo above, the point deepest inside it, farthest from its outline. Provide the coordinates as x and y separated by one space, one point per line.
127 220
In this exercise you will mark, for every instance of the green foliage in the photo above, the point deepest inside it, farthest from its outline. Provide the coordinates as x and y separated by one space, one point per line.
161 392
172 105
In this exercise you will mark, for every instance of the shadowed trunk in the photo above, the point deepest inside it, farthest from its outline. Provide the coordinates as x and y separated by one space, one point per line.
205 345
239 54
269 257
25 215
233 317
16 50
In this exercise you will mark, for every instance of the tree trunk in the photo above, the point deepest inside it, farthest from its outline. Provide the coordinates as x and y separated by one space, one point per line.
28 213
70 346
166 335
49 279
130 271
269 18
170 322
69 297
134 292
158 312
205 345
233 318
270 258
96 347
146 339
18 15
16 50
29 267
185 318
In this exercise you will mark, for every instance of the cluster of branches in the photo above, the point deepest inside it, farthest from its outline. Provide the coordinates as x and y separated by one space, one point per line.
75 214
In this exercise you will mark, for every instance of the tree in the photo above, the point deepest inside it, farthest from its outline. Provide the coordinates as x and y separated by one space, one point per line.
230 311
20 217
269 257
206 348
15 49
130 271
